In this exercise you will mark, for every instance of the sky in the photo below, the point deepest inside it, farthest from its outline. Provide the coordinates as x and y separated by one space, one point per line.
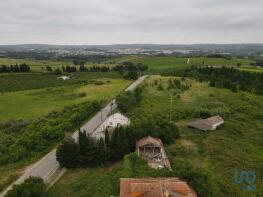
130 21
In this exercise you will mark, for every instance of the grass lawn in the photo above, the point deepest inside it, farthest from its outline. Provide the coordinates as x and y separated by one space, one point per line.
31 104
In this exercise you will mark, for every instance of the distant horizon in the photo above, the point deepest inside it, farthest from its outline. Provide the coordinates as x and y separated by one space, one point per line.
115 44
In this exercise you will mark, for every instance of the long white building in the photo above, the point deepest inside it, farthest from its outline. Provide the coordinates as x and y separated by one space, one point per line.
113 121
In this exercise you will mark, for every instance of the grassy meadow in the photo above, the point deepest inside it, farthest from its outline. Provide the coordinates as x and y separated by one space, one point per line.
237 145
32 104
28 81
177 63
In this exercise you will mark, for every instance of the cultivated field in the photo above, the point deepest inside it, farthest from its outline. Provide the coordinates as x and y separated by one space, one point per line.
32 104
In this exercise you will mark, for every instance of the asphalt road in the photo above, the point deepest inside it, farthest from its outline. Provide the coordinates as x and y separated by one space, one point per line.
48 167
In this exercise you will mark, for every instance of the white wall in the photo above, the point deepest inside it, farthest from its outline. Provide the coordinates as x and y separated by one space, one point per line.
114 121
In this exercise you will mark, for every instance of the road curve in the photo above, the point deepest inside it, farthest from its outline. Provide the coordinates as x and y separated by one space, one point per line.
48 167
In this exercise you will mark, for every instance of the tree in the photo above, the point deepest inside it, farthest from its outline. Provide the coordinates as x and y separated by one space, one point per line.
238 64
48 68
32 187
68 153
100 152
87 150
57 71
133 75
82 68
126 101
107 138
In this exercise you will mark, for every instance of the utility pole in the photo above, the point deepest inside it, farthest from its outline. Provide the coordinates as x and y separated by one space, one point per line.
111 106
171 105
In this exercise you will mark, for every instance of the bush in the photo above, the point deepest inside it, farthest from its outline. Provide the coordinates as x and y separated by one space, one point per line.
131 75
68 153
36 137
127 100
32 187
200 179
57 71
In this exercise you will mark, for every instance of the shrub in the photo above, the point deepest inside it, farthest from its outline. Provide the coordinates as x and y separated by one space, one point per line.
127 100
200 179
32 187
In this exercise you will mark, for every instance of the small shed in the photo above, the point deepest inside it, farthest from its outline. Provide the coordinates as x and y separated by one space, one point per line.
208 124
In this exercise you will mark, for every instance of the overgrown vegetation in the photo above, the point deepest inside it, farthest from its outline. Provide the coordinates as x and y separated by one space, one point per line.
103 182
91 153
229 78
127 100
24 141
195 151
32 187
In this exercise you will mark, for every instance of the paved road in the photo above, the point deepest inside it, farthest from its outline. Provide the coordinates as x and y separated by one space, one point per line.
48 167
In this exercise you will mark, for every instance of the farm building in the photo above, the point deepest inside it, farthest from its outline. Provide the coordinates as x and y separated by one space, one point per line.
113 121
155 187
208 124
152 150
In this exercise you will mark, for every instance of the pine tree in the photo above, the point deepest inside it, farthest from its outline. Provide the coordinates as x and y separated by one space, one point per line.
107 138
68 153
100 152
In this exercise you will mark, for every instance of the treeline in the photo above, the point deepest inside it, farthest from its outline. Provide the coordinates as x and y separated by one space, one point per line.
130 66
17 68
225 77
79 59
257 63
94 68
21 141
91 153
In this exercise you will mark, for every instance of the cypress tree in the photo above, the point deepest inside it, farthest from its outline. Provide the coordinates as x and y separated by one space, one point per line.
107 138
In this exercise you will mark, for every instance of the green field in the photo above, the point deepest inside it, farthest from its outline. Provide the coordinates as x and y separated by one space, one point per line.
35 65
28 81
237 145
160 63
31 104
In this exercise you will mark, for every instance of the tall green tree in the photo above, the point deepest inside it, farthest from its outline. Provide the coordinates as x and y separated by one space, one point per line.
107 138
101 156
68 153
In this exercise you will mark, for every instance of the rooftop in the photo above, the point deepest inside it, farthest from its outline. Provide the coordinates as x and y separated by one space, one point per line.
207 124
155 187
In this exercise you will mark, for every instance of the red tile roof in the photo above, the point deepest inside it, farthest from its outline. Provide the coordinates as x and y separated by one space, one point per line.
158 187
